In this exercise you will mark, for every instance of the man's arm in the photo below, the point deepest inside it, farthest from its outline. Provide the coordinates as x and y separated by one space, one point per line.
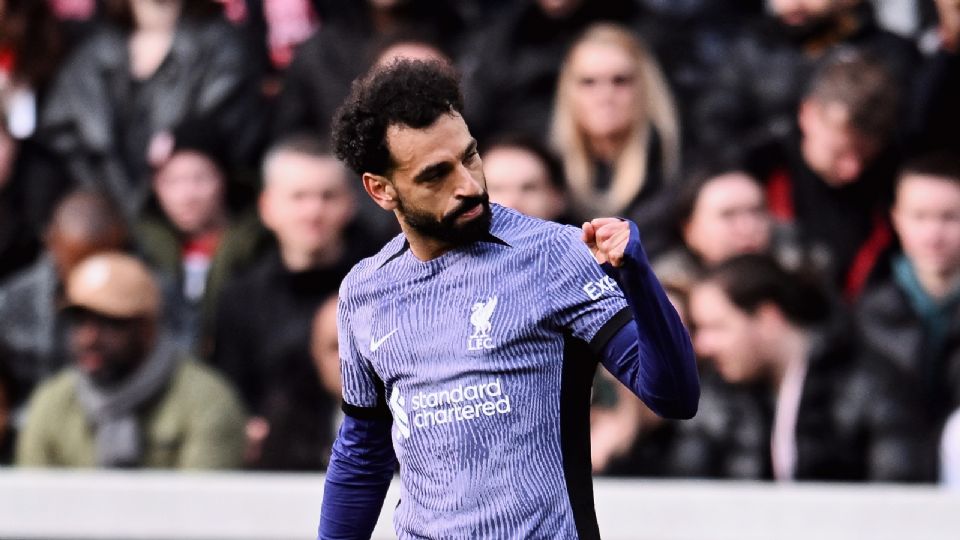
361 466
652 355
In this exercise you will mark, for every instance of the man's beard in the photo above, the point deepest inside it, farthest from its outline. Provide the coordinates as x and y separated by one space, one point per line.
446 229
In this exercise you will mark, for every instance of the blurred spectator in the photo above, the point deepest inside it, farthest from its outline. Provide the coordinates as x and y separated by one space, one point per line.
278 26
511 77
263 326
728 217
78 18
720 212
18 244
525 175
937 109
30 49
325 351
31 184
913 318
345 46
755 92
8 397
132 83
615 126
812 408
30 326
131 398
324 348
194 238
833 179
692 40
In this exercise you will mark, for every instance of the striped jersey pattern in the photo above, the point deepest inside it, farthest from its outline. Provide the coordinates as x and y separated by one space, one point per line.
468 353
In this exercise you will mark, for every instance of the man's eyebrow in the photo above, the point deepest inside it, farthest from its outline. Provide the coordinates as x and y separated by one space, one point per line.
432 171
471 148
439 169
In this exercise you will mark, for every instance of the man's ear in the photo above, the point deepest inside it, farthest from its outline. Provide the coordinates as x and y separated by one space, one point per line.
805 113
265 209
380 190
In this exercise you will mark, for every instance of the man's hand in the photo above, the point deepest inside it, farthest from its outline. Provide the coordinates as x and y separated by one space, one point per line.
607 239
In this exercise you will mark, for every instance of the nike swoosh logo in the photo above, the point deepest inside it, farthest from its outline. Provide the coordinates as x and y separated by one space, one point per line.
376 343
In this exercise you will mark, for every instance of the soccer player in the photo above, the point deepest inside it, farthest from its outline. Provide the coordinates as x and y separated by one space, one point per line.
463 341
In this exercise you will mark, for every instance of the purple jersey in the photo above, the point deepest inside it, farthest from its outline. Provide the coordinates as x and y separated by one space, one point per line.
481 357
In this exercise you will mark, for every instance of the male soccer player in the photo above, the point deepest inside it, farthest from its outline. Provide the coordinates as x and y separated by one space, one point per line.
462 342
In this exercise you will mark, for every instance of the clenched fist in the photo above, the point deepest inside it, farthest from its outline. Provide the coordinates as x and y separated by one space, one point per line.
607 239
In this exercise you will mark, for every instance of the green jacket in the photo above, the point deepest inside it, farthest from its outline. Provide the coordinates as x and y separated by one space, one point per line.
242 242
197 423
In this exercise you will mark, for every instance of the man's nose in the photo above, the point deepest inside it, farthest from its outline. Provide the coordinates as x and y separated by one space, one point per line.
467 184
86 332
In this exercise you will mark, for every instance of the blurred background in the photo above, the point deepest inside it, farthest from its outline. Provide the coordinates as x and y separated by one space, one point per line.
174 226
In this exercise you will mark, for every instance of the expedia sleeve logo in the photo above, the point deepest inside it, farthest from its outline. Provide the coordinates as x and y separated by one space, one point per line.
458 404
596 289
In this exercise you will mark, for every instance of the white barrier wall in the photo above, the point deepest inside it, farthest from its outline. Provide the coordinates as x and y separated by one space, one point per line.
227 506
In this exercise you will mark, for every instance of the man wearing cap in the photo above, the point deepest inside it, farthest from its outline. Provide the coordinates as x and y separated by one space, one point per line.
130 399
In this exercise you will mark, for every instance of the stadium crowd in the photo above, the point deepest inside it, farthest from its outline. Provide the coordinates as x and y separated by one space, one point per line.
174 227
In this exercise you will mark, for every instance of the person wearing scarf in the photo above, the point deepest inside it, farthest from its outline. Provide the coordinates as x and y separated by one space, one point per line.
130 398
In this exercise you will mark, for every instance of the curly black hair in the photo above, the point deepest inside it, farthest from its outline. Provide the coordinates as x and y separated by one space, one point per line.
412 93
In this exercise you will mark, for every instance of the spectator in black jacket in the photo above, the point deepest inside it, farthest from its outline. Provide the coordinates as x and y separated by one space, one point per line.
755 91
832 178
145 71
913 318
812 409
262 340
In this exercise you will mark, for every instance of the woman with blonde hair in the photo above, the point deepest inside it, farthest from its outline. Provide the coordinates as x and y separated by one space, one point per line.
615 124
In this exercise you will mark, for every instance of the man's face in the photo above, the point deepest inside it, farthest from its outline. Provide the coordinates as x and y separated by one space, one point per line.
438 182
324 347
926 216
729 218
189 188
800 13
725 335
106 348
604 93
518 179
306 201
830 147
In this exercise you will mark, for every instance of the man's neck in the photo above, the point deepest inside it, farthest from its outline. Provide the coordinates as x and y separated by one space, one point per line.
938 284
422 247
300 260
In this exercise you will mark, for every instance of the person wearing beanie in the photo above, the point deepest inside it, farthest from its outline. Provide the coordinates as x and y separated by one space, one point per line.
130 398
